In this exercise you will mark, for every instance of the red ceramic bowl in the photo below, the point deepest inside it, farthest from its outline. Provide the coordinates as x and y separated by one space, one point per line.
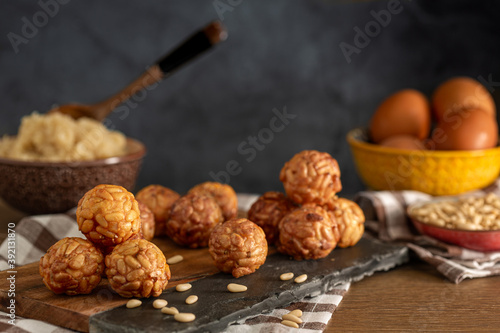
478 240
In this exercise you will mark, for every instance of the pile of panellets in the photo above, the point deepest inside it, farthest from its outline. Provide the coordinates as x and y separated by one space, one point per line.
310 220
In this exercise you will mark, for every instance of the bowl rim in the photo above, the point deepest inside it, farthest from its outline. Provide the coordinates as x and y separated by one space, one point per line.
355 138
446 198
135 151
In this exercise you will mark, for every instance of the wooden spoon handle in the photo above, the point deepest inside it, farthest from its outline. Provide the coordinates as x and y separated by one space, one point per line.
192 47
195 45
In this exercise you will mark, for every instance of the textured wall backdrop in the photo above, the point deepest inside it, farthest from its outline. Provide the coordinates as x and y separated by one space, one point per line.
302 63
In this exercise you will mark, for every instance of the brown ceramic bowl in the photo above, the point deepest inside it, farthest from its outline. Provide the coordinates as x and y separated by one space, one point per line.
53 187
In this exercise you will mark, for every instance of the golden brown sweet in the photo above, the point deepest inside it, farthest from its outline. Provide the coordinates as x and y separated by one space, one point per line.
108 215
238 246
192 219
159 200
307 233
72 266
350 220
311 177
147 221
268 211
224 196
137 268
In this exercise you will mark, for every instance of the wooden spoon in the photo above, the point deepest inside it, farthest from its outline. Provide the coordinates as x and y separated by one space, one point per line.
192 47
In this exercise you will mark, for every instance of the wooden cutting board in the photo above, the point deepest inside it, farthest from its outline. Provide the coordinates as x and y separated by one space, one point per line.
104 311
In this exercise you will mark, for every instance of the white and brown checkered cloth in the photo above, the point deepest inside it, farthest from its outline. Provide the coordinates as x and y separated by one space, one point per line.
35 234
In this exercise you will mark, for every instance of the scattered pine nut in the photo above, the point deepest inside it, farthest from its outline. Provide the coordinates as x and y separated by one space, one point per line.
286 276
296 312
184 317
290 323
236 288
191 299
175 259
183 287
301 278
160 303
169 311
133 303
292 317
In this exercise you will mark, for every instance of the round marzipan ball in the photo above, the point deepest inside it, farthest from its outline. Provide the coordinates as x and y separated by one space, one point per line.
267 212
72 266
137 268
108 215
311 177
159 200
147 221
224 195
350 220
238 247
307 232
192 219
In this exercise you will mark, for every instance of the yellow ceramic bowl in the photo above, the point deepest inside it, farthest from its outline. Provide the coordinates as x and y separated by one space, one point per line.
430 171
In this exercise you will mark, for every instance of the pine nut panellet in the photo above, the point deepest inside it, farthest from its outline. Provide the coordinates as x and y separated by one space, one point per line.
108 215
311 177
137 268
72 266
306 233
238 247
268 210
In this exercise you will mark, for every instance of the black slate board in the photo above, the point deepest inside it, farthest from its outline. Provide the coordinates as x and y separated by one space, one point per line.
217 307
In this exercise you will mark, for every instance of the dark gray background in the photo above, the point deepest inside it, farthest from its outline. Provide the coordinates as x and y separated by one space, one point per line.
279 54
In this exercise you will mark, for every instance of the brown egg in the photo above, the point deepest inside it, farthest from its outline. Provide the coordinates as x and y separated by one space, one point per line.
405 112
466 130
403 142
461 93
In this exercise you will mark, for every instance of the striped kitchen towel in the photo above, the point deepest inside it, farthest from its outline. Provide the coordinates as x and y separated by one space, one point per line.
316 312
35 234
386 217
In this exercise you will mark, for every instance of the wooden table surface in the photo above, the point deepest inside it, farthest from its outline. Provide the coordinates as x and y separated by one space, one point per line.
416 298
411 298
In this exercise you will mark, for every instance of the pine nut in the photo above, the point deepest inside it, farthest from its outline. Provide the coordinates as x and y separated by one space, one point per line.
290 323
296 312
236 288
160 303
464 213
291 317
191 299
301 278
175 259
286 276
183 287
184 317
169 311
133 303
